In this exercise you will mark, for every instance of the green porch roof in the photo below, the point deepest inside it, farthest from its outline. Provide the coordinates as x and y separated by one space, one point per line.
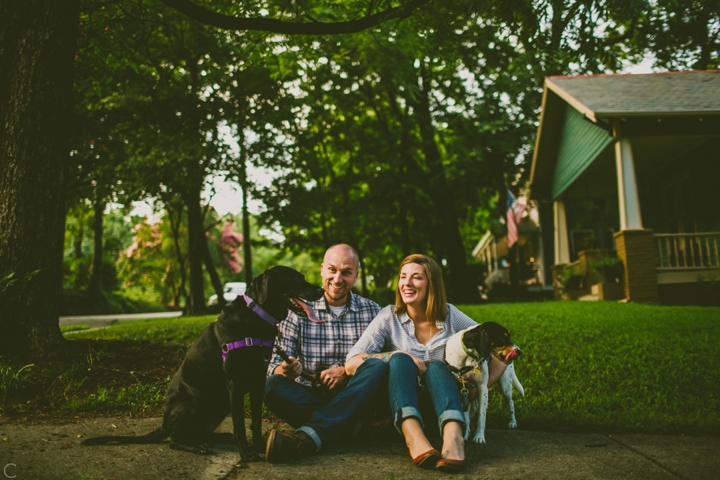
579 114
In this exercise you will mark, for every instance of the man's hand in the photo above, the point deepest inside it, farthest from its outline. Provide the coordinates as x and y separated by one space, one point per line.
333 378
290 370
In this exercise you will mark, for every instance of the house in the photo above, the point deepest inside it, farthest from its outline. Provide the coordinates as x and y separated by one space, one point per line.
521 265
630 164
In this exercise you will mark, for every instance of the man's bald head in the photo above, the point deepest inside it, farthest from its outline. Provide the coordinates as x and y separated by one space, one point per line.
339 271
344 250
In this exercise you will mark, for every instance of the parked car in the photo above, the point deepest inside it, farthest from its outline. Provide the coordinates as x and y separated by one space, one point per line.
230 291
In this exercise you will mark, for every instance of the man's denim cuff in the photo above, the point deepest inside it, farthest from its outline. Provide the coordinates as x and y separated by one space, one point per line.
311 433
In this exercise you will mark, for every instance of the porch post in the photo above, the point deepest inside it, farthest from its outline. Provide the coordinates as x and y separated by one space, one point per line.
629 200
562 247
634 244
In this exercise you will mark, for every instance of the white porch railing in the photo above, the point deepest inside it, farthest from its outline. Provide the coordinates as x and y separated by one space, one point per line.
677 251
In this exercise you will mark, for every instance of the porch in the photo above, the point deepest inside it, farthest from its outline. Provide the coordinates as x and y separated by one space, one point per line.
635 175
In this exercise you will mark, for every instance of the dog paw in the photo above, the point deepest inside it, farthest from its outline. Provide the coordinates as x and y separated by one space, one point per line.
512 424
203 449
480 439
249 456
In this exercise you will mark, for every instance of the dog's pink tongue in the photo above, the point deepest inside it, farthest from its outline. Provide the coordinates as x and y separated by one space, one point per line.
308 311
511 356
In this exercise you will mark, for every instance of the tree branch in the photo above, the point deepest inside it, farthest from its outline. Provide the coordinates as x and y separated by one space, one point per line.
203 15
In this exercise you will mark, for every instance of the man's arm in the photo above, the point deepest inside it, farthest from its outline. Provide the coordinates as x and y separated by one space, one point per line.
288 333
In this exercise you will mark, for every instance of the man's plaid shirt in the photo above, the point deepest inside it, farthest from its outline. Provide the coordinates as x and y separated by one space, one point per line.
319 346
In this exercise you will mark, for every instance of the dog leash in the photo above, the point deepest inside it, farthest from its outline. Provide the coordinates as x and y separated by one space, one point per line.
285 358
464 392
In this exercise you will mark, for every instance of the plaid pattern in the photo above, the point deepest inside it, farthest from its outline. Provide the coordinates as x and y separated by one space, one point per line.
390 332
319 346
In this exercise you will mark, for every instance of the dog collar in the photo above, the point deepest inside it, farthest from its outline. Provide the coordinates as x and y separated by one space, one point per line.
262 313
246 342
460 371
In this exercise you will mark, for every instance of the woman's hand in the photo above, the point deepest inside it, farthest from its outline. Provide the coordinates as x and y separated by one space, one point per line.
290 370
420 364
352 365
333 377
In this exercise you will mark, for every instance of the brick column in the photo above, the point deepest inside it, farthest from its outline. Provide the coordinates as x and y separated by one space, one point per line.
636 250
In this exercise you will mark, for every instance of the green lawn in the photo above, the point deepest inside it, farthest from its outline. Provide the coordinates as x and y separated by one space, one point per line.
601 366
183 330
586 366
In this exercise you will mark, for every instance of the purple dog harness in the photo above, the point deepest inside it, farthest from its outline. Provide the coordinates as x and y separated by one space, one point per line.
248 341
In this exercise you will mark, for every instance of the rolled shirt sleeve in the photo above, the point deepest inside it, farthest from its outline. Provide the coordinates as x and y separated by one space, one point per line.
374 339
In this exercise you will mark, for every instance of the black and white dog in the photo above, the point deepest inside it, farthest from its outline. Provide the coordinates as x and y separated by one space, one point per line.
228 360
467 353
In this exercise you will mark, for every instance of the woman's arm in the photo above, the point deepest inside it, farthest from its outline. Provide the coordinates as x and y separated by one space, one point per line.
353 363
371 342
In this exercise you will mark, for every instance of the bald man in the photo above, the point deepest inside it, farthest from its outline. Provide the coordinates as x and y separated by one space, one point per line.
320 348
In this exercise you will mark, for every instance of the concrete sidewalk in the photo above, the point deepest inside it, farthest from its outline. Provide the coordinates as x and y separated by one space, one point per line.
106 320
54 452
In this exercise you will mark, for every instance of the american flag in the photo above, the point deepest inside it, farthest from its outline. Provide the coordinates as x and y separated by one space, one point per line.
515 209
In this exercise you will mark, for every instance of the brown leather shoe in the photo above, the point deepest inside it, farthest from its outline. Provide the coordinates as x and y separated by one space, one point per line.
427 459
283 446
447 465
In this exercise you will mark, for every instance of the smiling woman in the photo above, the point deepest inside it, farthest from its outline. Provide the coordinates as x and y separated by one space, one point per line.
411 336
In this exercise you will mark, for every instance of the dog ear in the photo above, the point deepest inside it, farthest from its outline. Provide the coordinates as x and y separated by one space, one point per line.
258 288
484 344
264 289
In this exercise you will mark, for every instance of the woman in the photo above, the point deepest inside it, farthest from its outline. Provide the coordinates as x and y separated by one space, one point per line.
411 337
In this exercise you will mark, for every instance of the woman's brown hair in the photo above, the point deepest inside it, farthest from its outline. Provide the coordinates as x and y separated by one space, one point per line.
436 309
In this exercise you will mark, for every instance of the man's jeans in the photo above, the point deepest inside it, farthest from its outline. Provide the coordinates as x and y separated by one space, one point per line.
406 395
323 420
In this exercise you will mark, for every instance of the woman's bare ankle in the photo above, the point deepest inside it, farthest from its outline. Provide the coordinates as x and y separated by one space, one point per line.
415 438
453 442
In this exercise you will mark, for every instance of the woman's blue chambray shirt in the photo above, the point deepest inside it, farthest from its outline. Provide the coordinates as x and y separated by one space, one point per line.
389 332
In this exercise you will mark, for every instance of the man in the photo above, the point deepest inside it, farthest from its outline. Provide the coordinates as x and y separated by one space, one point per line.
321 348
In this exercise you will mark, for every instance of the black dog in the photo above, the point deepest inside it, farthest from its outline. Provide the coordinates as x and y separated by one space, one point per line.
228 360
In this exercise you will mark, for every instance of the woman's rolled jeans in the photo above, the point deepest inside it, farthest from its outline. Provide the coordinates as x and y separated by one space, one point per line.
404 391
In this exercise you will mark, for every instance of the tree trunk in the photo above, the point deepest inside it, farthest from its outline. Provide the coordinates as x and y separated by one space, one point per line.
95 287
175 227
460 286
78 237
37 46
247 248
196 231
212 271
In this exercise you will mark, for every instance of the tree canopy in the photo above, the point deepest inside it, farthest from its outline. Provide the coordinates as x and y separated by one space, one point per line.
390 125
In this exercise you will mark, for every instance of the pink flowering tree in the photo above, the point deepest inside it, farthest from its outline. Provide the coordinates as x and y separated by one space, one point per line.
230 246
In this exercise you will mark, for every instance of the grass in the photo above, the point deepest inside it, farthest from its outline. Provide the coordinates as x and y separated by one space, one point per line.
586 366
12 380
74 328
134 398
612 367
181 330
